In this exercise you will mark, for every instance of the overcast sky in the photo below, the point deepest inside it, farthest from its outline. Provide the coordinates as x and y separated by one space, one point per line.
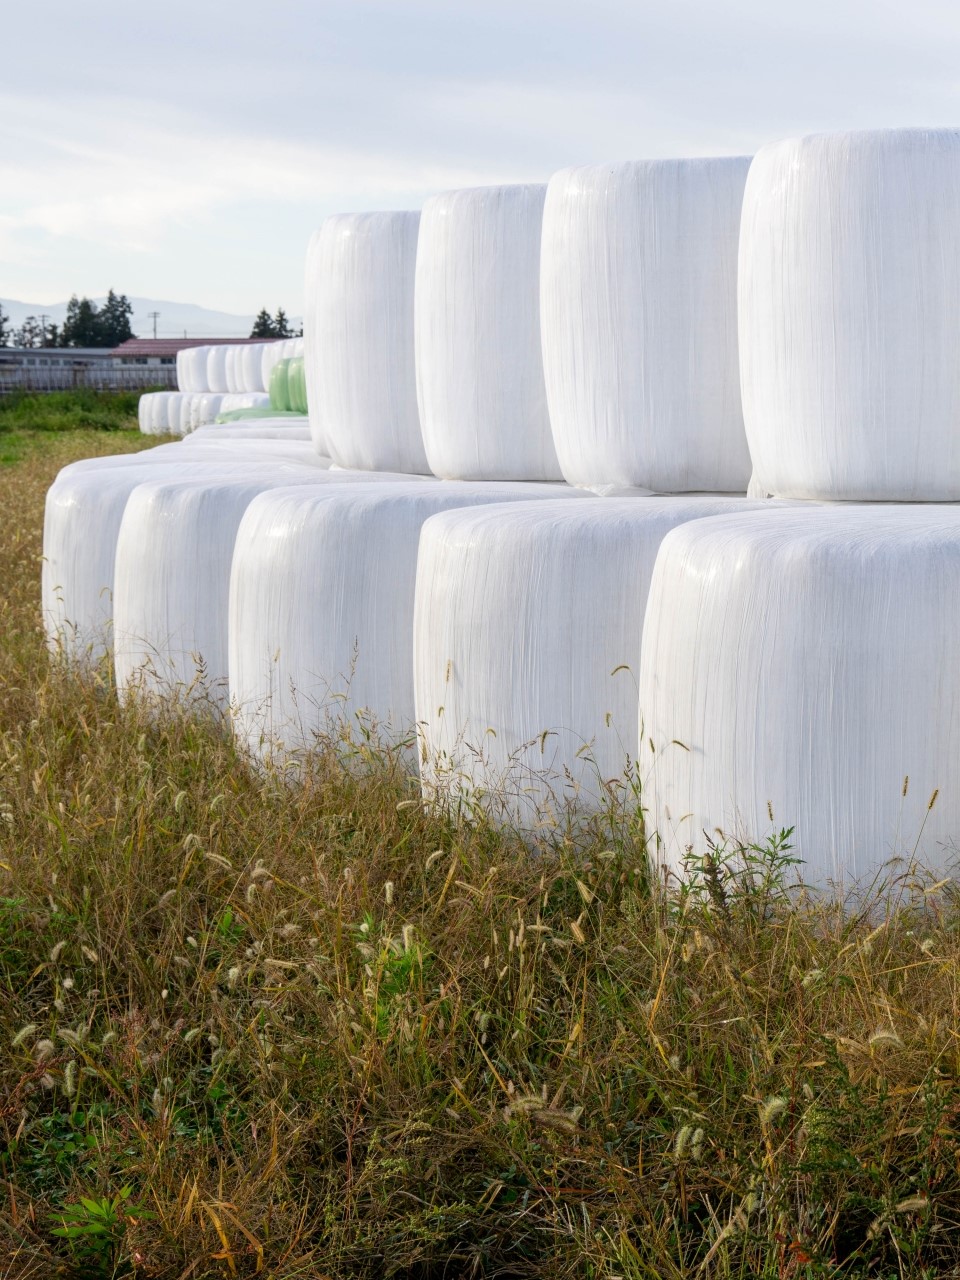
187 150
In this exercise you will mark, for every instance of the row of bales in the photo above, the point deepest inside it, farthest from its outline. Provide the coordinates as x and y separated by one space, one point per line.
226 380
637 485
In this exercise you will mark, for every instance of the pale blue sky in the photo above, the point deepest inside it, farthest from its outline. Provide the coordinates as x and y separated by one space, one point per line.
187 150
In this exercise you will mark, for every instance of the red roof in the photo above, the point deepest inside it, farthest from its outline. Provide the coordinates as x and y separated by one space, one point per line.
170 346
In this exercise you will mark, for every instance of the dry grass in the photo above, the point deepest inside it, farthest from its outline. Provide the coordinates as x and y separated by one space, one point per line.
248 1028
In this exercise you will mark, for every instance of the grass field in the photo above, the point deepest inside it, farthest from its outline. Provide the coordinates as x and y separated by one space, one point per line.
251 1028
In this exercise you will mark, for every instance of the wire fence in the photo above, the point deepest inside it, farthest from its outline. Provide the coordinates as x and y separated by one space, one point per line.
94 377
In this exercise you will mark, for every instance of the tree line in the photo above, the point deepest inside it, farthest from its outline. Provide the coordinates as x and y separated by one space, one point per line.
278 326
85 325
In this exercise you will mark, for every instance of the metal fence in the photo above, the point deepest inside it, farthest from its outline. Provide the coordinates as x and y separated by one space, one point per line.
95 377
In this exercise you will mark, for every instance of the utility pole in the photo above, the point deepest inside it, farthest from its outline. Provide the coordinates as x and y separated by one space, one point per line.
43 330
154 316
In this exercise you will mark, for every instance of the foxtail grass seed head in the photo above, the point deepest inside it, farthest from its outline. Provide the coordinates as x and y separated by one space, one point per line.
70 1078
23 1035
885 1037
57 951
89 954
388 893
771 1109
681 1141
43 1050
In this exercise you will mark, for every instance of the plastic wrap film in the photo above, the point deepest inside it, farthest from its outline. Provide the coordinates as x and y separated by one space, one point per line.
358 340
146 413
270 353
172 573
152 413
252 367
483 405
297 385
244 400
279 386
217 369
806 660
527 649
286 428
206 409
639 316
234 371
321 607
170 413
186 412
198 447
849 324
84 508
192 368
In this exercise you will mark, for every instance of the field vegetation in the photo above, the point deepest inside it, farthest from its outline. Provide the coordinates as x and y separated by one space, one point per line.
252 1027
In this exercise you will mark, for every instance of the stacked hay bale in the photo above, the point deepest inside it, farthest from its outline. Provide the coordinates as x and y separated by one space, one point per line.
806 660
528 619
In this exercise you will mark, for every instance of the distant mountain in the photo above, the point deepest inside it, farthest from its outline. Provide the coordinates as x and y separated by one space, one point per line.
175 319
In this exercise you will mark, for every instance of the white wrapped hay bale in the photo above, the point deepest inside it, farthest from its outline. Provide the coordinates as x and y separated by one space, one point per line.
270 353
146 413
190 398
173 407
172 573
527 648
849 324
234 401
84 508
639 316
321 606
192 368
217 368
807 661
258 429
152 413
483 405
251 366
359 349
195 448
205 410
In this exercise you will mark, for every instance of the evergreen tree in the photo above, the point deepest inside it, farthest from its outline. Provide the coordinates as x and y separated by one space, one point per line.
4 328
30 333
281 327
113 320
81 327
86 325
263 325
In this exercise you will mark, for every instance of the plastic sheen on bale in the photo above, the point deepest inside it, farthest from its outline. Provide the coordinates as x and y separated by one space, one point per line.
808 661
527 649
321 607
172 574
297 384
192 368
279 386
483 405
217 369
849 323
260 426
84 509
358 342
639 317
